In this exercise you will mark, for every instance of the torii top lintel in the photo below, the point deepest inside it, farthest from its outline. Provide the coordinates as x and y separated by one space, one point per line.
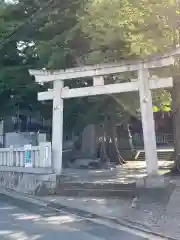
104 69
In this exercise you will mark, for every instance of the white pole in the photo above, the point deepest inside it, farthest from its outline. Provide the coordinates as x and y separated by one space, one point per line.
148 122
57 127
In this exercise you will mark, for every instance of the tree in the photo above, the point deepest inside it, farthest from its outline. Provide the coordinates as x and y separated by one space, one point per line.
144 27
18 89
114 37
62 34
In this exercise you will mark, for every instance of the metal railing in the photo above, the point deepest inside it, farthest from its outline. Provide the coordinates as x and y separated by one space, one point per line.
161 139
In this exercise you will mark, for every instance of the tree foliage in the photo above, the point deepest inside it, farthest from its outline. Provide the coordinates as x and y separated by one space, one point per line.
62 34
131 29
144 26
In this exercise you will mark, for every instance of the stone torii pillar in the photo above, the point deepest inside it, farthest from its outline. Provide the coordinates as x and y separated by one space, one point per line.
147 121
57 129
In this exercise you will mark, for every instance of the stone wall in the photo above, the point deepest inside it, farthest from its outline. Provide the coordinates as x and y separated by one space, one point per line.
20 139
40 184
89 145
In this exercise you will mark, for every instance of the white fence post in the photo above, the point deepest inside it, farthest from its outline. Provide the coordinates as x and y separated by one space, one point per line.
11 156
45 154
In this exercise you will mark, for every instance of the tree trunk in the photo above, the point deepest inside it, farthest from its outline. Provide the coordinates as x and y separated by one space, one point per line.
176 119
114 154
104 159
109 145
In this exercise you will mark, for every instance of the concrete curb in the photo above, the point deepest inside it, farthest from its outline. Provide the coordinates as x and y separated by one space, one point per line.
23 197
82 213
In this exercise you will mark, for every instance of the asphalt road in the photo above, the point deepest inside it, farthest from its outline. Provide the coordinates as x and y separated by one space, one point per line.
21 221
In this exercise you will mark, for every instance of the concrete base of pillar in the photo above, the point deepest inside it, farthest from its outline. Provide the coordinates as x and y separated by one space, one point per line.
153 182
28 183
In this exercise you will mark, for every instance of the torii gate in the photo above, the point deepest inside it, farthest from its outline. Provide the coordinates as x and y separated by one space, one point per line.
143 84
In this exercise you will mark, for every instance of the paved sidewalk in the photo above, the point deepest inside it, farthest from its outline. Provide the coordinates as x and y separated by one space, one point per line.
160 214
23 200
127 173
